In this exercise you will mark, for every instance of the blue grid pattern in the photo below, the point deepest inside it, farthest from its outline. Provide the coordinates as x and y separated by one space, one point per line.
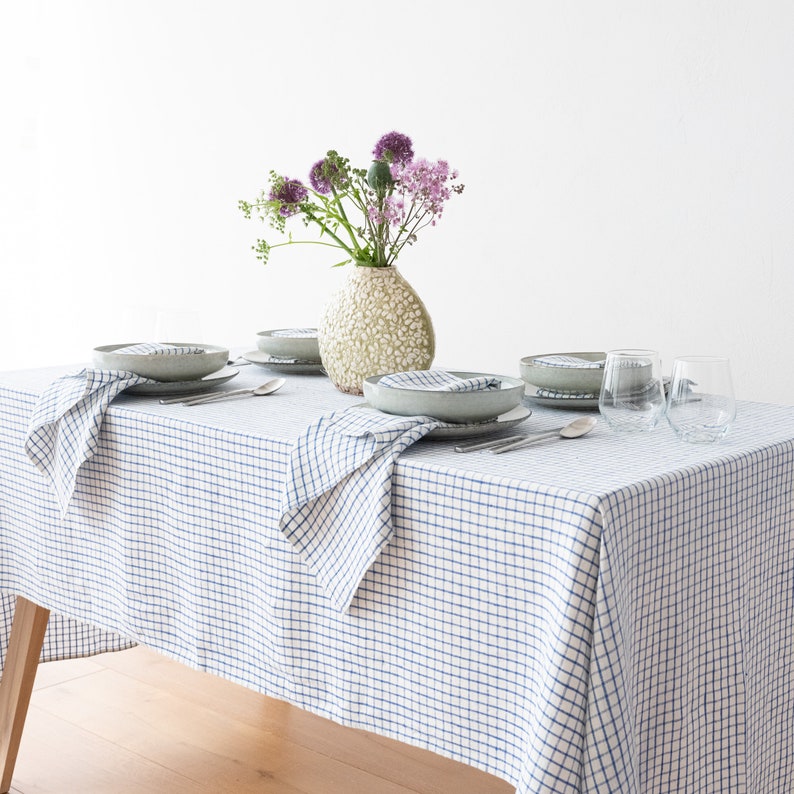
607 614
159 349
567 362
296 333
64 426
438 380
342 466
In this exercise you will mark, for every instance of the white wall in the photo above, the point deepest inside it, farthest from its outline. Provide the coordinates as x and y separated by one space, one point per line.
629 170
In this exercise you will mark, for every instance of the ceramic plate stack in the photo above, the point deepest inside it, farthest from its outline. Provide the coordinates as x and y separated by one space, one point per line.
172 373
564 380
291 350
469 413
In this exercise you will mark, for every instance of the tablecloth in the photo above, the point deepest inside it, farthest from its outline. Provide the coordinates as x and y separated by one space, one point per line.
607 614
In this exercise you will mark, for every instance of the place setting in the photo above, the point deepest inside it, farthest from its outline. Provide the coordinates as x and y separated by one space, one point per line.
629 390
570 381
67 418
287 350
462 404
168 368
458 405
343 462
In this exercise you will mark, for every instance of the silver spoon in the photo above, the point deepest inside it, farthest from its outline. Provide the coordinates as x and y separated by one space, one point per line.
260 391
579 427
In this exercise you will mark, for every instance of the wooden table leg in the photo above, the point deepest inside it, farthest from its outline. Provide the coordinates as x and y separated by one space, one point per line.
19 673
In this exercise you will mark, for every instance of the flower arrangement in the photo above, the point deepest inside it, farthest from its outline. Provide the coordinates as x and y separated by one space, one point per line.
370 215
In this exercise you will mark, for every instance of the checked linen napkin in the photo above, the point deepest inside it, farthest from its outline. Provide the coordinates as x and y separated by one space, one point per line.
337 506
566 362
437 380
64 428
157 349
296 333
336 510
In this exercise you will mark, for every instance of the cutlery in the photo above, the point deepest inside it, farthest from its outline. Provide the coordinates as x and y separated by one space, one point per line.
260 391
579 427
476 445
181 398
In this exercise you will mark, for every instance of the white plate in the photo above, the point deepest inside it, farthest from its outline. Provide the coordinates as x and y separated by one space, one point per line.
163 388
278 365
461 407
453 431
565 403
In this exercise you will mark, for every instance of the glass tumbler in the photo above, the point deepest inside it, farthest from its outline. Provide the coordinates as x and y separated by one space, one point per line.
701 406
632 392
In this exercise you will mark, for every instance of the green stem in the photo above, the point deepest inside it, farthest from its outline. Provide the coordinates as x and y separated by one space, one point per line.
313 242
343 218
327 231
407 233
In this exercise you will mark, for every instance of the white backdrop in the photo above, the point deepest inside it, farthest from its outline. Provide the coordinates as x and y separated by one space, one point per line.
629 170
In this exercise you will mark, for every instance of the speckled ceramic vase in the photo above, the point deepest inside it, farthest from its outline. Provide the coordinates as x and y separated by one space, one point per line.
373 325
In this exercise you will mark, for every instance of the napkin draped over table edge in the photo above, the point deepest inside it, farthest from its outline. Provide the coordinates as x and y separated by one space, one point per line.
340 468
336 509
66 420
65 424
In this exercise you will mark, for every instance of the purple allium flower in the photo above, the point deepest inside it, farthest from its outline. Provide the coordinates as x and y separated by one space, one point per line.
320 176
394 147
290 192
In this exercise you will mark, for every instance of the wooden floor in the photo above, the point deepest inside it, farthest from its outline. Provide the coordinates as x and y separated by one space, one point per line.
132 722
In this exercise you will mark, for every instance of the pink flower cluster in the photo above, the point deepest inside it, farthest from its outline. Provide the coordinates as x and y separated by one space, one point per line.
420 191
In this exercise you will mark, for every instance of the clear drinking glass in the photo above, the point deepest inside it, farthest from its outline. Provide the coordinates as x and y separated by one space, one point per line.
632 393
701 406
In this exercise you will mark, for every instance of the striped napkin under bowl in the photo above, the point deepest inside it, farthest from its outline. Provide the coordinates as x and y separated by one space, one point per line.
459 397
172 361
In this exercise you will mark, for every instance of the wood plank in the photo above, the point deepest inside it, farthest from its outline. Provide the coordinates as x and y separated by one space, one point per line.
54 757
19 674
414 767
165 727
54 673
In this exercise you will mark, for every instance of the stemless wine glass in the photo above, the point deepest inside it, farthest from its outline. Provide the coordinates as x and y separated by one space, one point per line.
701 405
632 393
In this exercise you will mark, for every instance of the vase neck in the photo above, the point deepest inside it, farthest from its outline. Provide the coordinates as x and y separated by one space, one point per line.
371 266
375 272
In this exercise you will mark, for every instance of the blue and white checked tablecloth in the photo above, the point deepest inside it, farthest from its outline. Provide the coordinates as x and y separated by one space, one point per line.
611 614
